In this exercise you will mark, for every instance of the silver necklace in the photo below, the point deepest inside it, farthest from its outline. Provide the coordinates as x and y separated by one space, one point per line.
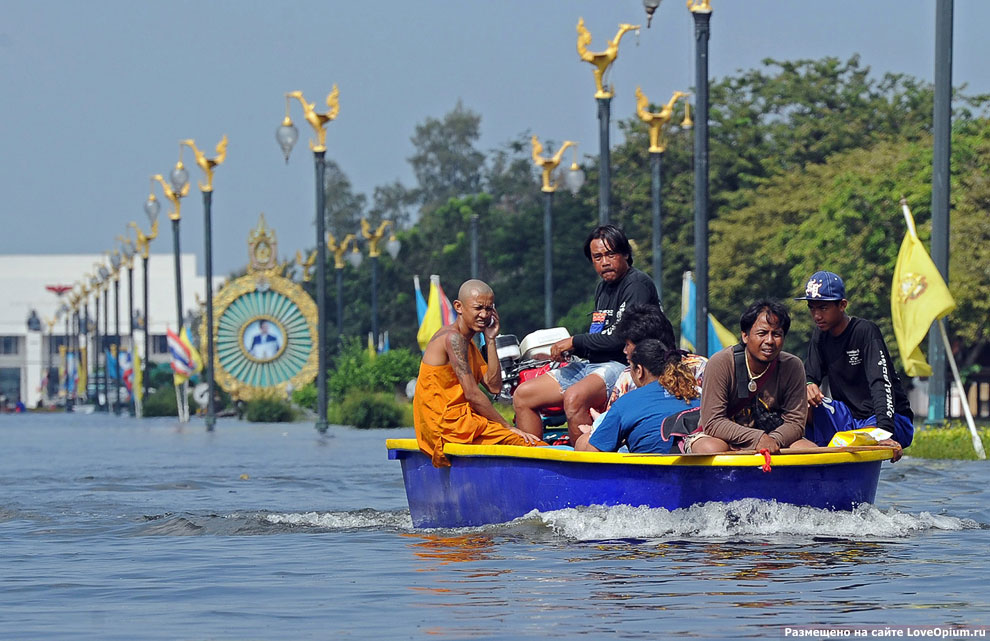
752 379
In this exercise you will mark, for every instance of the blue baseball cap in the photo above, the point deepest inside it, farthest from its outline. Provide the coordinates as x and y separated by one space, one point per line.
824 286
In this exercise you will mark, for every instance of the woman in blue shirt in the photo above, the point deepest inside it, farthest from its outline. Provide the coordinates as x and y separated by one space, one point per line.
664 386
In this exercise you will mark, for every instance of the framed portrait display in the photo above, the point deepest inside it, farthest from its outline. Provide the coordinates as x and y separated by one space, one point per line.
264 327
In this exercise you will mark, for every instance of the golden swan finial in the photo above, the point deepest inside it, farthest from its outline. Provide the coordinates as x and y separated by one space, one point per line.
603 59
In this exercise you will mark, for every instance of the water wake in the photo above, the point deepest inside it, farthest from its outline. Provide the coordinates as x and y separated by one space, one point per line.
745 518
367 519
266 523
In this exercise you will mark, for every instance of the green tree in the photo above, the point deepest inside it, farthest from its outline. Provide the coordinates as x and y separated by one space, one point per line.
446 161
343 207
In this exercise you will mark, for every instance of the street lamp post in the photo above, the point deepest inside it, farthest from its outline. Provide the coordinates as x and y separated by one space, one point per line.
105 279
50 350
392 247
175 190
547 166
338 264
85 355
115 261
127 250
701 11
656 121
941 194
602 61
151 209
71 340
287 135
94 288
207 165
98 337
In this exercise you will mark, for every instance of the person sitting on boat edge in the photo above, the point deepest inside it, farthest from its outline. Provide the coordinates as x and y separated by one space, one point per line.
753 395
448 405
581 386
665 385
638 323
852 354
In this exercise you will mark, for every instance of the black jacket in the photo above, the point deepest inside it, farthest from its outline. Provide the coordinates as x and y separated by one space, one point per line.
600 344
860 372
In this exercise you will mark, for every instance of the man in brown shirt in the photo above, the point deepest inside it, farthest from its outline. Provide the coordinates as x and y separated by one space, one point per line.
753 394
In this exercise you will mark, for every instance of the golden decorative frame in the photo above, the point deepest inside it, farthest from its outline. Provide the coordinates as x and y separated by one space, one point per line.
247 284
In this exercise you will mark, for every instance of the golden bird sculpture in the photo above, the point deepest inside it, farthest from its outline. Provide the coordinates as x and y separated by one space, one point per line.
318 120
603 59
207 164
657 119
547 165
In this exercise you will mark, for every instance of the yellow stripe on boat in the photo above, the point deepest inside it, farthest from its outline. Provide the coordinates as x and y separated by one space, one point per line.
818 457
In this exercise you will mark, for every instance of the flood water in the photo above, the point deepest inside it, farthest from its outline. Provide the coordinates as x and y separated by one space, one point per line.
116 528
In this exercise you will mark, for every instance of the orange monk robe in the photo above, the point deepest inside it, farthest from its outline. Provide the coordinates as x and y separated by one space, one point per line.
442 414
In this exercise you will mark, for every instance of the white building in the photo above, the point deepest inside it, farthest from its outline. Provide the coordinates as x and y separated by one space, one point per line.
27 355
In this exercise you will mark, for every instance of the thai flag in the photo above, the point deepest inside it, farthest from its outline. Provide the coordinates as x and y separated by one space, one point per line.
127 367
181 357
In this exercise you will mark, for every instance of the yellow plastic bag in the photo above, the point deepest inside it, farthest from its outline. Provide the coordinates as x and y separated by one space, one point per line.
862 436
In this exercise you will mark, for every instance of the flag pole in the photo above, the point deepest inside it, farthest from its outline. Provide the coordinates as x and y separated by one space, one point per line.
977 443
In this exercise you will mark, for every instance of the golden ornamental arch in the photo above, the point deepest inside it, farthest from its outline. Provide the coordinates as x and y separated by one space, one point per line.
264 327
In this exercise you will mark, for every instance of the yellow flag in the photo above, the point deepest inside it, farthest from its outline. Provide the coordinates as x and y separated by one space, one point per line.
725 336
137 386
431 320
918 297
81 368
197 360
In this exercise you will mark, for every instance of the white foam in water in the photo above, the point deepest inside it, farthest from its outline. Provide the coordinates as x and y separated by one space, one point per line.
747 517
363 519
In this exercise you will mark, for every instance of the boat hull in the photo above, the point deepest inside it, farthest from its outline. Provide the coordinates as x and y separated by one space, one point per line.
494 484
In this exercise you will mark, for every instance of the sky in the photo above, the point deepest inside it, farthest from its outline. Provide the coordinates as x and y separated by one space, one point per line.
96 95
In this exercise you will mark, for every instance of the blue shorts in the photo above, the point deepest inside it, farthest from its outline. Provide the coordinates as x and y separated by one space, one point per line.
834 416
575 371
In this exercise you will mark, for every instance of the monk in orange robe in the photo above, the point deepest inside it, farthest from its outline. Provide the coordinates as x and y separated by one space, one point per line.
448 406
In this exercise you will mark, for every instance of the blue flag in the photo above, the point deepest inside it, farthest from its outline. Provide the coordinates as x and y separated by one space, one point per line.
718 335
420 302
111 365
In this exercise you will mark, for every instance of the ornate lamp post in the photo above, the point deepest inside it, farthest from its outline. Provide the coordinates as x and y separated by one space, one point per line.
941 194
127 251
95 285
392 247
287 135
115 262
701 11
151 209
656 121
207 165
602 61
175 190
50 323
88 330
338 264
105 284
547 167
71 335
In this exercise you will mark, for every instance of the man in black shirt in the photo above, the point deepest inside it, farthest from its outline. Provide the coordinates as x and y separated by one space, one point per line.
581 386
851 352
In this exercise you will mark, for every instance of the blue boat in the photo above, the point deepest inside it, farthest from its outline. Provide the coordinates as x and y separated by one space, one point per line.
497 483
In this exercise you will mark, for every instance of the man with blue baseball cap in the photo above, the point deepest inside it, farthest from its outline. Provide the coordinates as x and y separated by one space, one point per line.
851 352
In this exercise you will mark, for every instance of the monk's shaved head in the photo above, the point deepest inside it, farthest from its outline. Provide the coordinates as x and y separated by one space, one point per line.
472 288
